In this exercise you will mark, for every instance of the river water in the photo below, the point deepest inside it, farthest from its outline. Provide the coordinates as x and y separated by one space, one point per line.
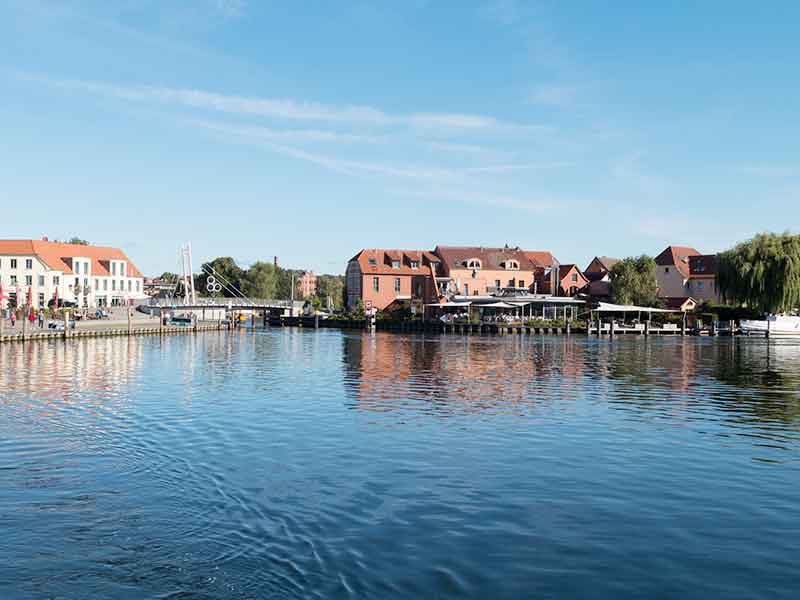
302 464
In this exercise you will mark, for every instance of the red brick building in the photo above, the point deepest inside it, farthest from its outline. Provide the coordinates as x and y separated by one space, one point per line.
384 277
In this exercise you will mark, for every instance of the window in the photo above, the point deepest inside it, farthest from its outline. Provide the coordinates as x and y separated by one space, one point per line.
96 284
376 284
55 280
41 300
28 263
105 285
113 268
574 278
395 264
130 285
521 283
397 284
28 279
372 262
414 264
699 285
41 280
114 285
466 289
666 269
122 269
85 283
138 283
13 263
497 283
510 265
13 280
472 263
77 282
511 283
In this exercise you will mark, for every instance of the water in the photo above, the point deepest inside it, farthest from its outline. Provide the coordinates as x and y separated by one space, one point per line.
298 464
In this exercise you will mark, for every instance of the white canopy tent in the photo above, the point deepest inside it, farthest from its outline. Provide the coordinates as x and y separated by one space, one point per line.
608 307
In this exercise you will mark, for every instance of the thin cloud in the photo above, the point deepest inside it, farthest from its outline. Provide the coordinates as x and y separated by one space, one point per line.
517 167
285 108
289 135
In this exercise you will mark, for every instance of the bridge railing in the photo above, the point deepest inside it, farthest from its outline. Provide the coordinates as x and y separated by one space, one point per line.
220 301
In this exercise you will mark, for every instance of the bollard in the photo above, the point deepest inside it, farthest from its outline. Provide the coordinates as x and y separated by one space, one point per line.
130 322
647 328
24 326
66 324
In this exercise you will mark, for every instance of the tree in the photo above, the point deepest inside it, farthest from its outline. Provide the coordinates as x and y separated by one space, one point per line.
78 241
168 277
261 280
226 273
633 281
762 273
331 286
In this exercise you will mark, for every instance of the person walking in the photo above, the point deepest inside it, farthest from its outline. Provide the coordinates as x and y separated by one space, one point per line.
13 318
41 319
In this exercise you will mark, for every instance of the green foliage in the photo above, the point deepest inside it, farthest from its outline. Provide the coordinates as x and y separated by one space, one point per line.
261 280
762 273
633 281
74 240
331 286
228 274
168 277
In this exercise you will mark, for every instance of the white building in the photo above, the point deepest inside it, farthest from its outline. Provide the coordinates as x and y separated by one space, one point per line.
90 276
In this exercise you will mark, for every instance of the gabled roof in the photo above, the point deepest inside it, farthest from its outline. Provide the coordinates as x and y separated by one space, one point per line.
383 257
491 258
58 256
678 257
704 265
606 262
541 258
678 302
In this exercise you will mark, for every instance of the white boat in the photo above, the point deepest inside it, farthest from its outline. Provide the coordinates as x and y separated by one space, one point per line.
774 325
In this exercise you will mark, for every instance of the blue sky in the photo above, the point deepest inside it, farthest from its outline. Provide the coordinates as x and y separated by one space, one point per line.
311 130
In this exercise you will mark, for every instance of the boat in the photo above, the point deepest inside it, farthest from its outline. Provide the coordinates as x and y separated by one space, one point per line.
773 325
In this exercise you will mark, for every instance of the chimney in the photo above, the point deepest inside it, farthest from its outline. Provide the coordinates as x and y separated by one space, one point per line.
44 238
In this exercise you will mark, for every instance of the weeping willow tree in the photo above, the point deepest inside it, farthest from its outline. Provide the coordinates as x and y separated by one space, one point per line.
762 273
633 281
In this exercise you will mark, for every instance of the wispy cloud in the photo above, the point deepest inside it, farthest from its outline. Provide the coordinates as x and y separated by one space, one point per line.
285 108
517 167
287 135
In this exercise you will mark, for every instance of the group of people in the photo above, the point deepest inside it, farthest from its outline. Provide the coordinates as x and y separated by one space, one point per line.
461 317
33 316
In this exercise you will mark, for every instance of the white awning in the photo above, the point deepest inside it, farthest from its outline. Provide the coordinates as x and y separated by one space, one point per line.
450 304
498 305
608 307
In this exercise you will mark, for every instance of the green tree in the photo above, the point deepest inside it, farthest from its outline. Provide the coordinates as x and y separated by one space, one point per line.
225 272
762 273
168 277
78 241
331 286
633 281
261 280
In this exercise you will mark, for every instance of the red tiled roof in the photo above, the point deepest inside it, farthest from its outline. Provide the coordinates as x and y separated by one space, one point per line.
383 257
491 258
702 266
541 258
678 257
58 256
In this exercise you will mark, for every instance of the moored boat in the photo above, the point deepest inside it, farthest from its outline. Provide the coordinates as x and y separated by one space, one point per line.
773 325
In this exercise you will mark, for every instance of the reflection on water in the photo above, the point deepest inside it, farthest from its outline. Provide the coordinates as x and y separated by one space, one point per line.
327 464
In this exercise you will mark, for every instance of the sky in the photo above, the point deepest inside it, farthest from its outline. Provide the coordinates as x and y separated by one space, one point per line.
310 130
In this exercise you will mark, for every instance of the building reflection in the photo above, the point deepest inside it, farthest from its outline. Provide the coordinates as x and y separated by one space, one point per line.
676 378
63 370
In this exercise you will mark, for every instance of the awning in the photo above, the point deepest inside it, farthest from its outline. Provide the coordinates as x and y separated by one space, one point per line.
450 304
498 305
608 307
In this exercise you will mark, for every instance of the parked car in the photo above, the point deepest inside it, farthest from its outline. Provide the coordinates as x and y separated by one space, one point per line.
61 304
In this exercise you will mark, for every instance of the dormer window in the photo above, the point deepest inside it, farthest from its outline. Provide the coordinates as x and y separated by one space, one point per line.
372 262
415 264
395 264
510 265
472 263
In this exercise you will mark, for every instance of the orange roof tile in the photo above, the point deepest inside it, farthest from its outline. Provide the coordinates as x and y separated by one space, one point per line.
58 256
677 256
